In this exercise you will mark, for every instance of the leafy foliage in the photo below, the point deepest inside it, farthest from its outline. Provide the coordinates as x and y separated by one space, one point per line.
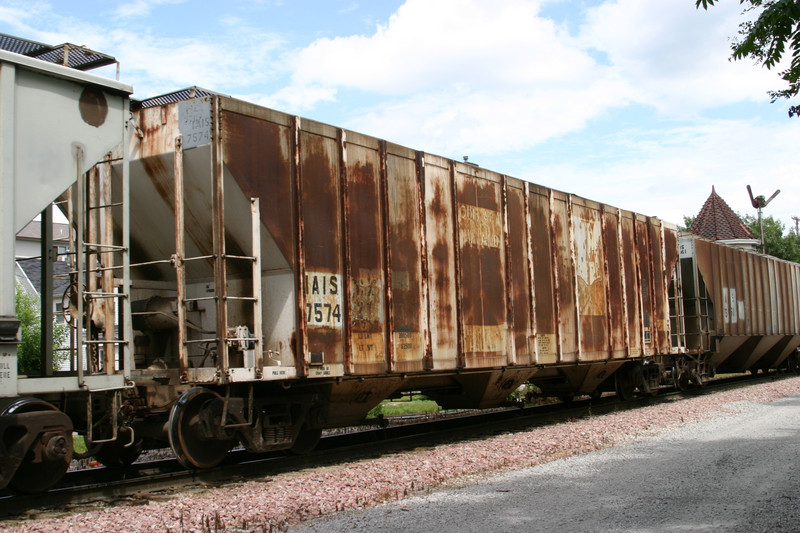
687 223
766 40
413 405
28 310
775 242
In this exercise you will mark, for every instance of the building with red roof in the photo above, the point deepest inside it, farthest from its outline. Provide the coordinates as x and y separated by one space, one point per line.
716 221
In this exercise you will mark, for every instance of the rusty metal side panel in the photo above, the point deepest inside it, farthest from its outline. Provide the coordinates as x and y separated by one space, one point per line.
767 284
632 284
747 277
729 291
794 291
258 155
670 262
483 274
591 280
322 245
777 295
546 348
772 294
406 265
741 299
615 301
645 267
757 301
159 127
742 280
782 296
561 234
796 296
660 320
440 232
753 295
519 272
365 254
790 295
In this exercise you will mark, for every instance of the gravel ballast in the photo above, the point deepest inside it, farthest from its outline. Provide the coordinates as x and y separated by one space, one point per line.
276 503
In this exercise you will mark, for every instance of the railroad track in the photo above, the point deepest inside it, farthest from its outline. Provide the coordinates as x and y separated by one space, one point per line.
143 481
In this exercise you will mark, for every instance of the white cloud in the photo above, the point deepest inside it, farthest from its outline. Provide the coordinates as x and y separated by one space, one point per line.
453 75
140 8
498 81
165 64
433 45
675 55
461 75
670 173
234 58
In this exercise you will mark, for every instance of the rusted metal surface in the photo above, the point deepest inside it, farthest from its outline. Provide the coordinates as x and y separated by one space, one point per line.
591 280
419 167
403 219
300 345
546 341
258 154
179 259
324 285
441 263
365 239
380 260
518 263
614 272
218 244
483 275
563 253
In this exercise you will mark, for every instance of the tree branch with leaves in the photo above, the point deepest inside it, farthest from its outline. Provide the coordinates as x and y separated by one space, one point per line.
767 38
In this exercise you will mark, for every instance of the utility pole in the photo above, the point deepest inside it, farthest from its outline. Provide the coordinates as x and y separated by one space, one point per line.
796 225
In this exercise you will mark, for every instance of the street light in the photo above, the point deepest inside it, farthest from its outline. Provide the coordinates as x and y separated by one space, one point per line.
759 202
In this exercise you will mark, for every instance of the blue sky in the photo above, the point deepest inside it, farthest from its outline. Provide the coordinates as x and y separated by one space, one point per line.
633 103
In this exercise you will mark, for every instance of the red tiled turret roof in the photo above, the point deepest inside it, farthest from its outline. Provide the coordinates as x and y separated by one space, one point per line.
717 221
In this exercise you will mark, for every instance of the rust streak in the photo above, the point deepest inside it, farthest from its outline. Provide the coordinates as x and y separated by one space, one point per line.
457 260
419 168
387 261
301 344
341 141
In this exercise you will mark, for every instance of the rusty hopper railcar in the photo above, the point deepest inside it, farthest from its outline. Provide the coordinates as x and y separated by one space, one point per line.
740 310
287 276
242 275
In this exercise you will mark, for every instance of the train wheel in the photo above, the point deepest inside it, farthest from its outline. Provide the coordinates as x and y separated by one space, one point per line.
120 453
194 429
48 459
624 384
306 440
793 363
680 376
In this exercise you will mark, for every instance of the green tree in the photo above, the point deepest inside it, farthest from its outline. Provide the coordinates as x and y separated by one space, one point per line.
687 223
775 242
28 310
766 40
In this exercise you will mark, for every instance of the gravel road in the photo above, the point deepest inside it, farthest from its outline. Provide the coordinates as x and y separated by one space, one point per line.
737 473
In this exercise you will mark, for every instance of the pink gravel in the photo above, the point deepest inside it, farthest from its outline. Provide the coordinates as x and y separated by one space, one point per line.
275 503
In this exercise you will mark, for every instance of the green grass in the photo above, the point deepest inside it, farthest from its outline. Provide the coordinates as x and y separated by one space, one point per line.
78 443
411 406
